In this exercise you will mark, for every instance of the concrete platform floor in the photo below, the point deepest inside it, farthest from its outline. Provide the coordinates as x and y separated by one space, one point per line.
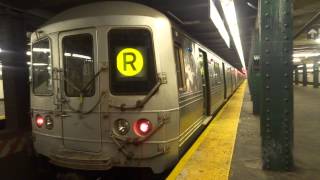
246 162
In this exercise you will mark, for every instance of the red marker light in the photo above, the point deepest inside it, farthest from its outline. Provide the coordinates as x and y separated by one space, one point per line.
39 121
142 127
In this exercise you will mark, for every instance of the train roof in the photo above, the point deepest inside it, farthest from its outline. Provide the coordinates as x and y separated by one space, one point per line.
105 8
114 8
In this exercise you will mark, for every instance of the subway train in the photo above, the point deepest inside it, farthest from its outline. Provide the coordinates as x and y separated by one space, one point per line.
117 84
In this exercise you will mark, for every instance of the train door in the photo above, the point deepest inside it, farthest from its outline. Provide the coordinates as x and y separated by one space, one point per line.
81 127
224 81
203 61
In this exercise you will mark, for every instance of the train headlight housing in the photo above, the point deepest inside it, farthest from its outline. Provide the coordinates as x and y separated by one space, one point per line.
49 122
121 126
142 127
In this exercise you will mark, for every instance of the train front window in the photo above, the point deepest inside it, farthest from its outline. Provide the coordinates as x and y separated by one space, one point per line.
41 68
78 61
131 60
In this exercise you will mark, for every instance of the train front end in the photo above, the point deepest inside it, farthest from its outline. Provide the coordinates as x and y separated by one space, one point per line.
104 89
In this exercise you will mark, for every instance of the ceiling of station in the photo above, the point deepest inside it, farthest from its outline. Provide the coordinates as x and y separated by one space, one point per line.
194 11
306 17
194 18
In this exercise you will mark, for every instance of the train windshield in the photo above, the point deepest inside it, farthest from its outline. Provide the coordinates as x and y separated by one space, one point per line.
78 64
41 68
132 63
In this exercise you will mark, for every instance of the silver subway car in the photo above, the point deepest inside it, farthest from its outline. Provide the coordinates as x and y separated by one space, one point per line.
117 84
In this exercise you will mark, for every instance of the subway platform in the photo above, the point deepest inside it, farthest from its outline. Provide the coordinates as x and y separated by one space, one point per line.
230 147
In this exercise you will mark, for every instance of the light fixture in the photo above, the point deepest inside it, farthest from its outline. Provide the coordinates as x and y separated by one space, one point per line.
251 5
142 127
121 126
0 50
229 11
39 64
81 56
217 21
306 54
44 50
67 54
39 121
309 65
49 122
296 60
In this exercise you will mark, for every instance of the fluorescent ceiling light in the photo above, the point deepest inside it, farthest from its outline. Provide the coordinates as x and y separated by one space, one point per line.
251 5
229 11
309 54
217 21
44 50
28 53
67 54
81 56
296 60
77 56
309 65
39 64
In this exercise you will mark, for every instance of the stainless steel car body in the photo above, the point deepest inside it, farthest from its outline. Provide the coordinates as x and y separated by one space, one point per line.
87 140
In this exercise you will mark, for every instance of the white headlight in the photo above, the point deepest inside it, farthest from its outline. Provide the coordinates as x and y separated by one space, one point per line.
121 126
49 122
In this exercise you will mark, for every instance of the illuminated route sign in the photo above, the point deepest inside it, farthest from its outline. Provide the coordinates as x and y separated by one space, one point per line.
129 62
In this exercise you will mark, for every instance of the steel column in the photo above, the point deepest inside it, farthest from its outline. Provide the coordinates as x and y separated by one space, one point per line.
315 74
15 71
304 75
249 72
276 84
256 73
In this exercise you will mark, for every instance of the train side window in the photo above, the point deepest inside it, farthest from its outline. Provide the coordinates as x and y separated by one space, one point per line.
78 64
131 61
41 68
179 61
217 73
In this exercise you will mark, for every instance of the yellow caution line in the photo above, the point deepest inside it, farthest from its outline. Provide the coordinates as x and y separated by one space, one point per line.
2 117
213 156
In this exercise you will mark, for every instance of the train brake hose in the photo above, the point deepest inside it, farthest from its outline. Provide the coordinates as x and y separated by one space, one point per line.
130 155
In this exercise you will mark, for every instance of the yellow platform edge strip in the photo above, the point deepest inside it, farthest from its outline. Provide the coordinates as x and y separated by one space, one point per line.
2 117
238 95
